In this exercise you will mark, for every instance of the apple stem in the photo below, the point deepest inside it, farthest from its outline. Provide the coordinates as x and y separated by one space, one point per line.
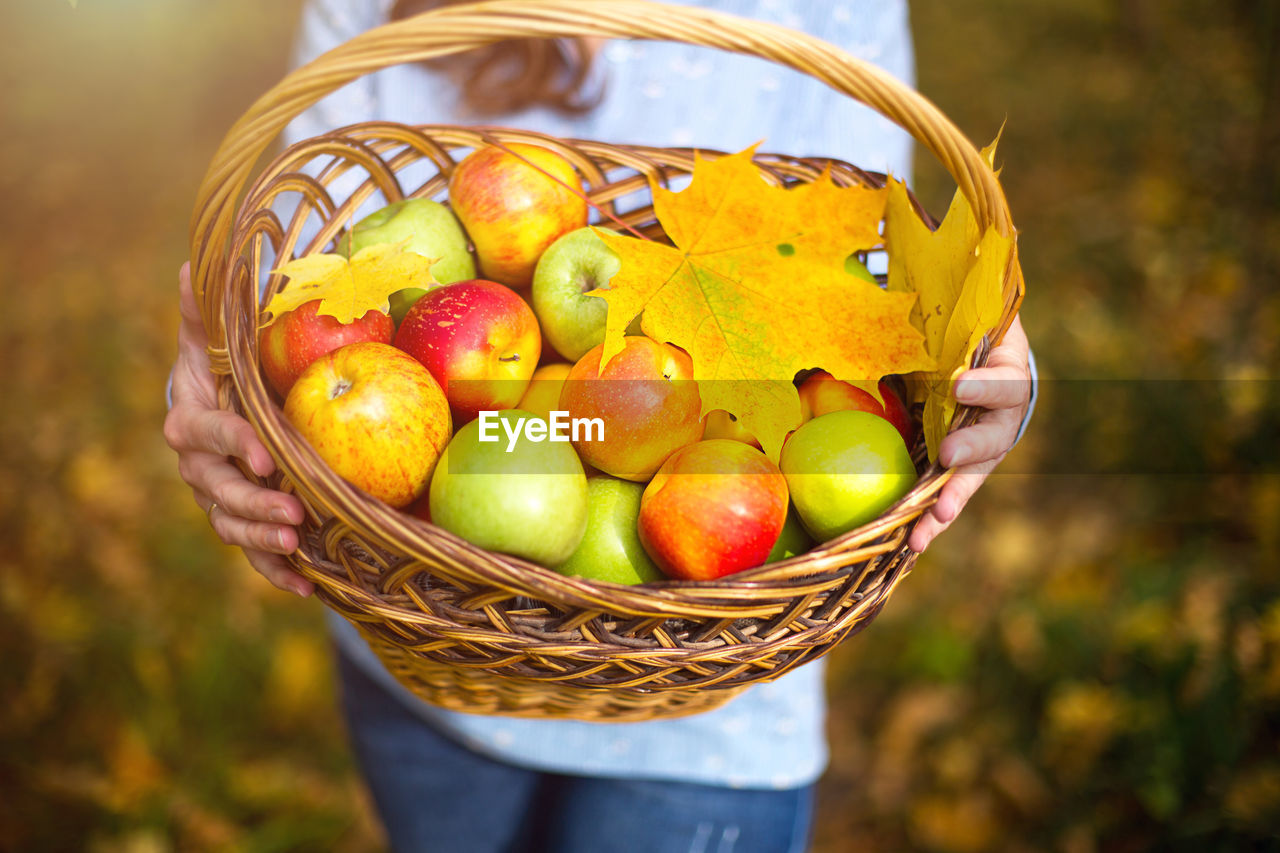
515 356
341 388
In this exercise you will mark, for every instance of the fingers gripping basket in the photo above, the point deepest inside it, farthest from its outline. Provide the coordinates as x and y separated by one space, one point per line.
481 632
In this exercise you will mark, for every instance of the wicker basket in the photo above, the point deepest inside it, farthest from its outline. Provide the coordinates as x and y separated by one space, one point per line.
475 631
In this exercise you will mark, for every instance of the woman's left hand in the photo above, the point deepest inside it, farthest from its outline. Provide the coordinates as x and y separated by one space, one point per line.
1003 388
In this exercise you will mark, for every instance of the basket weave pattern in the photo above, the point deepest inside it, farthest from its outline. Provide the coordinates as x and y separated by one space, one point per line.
475 631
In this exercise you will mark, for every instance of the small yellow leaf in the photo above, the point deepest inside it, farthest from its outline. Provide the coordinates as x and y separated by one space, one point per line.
350 288
755 290
958 273
976 312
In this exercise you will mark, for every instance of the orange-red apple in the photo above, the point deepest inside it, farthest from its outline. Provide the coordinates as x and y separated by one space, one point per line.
376 416
714 508
647 401
515 201
298 337
822 393
479 340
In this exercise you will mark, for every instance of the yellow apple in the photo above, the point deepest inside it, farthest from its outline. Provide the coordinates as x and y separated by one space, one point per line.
515 201
375 416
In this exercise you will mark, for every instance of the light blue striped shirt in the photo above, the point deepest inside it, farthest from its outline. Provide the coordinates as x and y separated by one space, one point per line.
771 736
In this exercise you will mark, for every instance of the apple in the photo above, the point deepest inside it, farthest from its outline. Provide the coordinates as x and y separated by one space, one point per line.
376 416
576 263
645 397
792 541
714 508
431 230
845 468
721 424
297 338
515 201
399 303
821 393
610 549
479 340
527 498
543 393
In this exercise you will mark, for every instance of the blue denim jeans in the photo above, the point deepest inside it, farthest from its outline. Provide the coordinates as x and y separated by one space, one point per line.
438 796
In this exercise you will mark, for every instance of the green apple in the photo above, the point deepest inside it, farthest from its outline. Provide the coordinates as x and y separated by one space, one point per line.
844 469
431 230
523 495
792 541
401 301
610 549
573 265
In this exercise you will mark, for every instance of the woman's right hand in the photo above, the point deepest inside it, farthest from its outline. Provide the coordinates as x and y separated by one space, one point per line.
244 514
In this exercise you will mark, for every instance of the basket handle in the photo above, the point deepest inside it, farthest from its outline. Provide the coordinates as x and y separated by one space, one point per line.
454 29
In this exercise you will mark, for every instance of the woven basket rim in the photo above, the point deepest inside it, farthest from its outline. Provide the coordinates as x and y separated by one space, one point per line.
453 29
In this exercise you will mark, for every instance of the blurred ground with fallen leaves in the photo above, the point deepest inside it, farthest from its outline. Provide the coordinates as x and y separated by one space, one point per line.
1089 661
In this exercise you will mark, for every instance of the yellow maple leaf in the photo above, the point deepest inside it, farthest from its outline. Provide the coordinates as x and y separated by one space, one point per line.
755 290
957 271
350 288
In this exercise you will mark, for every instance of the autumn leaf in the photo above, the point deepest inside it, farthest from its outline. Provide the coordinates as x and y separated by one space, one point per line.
755 289
350 288
958 272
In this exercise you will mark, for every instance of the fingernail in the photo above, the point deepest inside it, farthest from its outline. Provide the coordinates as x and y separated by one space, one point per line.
958 458
299 588
261 463
279 515
277 537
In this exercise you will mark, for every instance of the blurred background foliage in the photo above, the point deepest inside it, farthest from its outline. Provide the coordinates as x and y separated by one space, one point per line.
1088 661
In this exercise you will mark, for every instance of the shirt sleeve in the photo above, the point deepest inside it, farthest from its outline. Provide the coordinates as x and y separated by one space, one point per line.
1031 403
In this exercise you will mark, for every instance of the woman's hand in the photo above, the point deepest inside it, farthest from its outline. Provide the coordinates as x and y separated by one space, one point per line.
1003 388
260 521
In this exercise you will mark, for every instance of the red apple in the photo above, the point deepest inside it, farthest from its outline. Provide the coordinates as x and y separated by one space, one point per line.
515 201
298 337
648 403
479 340
376 416
822 393
714 508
